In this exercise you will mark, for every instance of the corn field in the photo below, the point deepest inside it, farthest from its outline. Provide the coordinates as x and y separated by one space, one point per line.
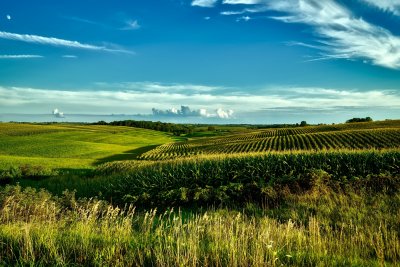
312 139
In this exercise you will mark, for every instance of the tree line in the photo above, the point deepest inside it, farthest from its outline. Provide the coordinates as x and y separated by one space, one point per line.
366 119
176 129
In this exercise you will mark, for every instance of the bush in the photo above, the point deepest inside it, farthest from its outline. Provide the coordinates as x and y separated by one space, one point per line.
25 171
8 176
36 172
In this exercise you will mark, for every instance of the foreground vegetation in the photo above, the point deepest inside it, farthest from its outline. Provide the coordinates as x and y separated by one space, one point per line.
67 200
320 227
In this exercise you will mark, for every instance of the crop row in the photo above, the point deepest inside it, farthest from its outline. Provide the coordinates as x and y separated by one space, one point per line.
196 179
357 139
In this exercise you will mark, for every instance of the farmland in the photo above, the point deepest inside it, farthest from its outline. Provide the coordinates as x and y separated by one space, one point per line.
97 195
361 136
72 146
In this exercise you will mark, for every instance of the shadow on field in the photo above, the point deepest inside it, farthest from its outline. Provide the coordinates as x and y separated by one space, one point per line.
127 155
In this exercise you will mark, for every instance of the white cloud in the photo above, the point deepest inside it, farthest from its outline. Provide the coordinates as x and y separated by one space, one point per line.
224 114
57 113
341 34
131 25
230 13
87 21
242 2
28 38
19 56
69 56
252 9
344 35
129 101
245 18
162 87
386 5
204 3
186 111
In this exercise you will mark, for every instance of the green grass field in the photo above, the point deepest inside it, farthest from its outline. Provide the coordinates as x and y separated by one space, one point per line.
84 195
73 146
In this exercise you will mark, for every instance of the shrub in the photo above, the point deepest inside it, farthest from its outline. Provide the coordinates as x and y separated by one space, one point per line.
8 176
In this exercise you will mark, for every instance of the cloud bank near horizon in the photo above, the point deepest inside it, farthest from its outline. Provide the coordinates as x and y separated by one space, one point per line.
185 111
132 100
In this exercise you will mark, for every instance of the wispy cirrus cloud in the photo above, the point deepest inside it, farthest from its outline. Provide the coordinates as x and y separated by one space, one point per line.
155 87
242 2
86 21
131 25
36 39
386 5
69 56
340 34
204 3
127 24
19 56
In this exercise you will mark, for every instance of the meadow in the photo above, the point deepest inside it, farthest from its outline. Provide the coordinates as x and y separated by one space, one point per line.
85 195
73 146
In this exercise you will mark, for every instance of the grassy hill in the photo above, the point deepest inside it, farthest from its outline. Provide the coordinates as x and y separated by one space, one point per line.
73 146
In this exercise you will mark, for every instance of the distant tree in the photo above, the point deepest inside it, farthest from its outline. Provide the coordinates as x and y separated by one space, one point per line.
303 123
211 128
366 119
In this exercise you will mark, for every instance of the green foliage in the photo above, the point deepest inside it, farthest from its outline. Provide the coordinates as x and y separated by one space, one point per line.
320 227
8 176
239 179
176 129
26 172
366 119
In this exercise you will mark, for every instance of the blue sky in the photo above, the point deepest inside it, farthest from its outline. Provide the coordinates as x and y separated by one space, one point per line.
230 61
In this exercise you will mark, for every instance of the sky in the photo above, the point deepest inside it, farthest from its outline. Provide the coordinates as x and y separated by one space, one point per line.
200 61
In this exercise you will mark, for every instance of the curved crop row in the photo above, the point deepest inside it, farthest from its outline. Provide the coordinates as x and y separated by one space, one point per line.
356 139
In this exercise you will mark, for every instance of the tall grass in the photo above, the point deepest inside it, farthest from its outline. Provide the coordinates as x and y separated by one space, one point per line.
38 229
